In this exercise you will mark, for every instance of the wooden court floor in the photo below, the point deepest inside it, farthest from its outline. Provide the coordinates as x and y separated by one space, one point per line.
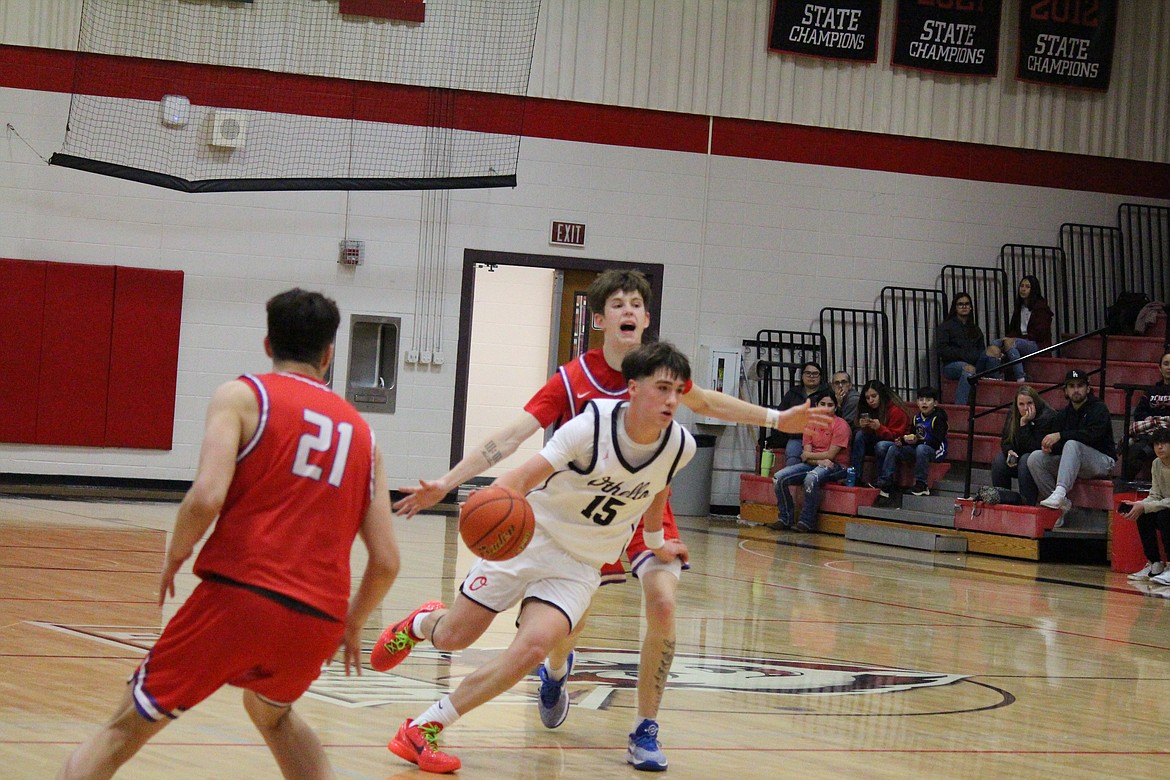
798 656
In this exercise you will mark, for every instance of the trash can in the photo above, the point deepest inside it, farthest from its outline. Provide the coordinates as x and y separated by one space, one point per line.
691 488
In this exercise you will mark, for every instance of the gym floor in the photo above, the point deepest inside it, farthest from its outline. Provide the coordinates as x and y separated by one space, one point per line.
844 658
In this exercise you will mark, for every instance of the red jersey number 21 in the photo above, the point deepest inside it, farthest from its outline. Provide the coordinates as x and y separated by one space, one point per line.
322 441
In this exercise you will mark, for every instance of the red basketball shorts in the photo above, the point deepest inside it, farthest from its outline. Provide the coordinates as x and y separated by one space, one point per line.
613 573
225 635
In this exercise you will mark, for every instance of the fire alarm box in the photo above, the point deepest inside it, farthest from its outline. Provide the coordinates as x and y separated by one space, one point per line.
719 370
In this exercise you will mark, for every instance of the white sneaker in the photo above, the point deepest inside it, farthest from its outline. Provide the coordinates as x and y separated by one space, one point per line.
1147 571
1065 506
1161 579
1055 500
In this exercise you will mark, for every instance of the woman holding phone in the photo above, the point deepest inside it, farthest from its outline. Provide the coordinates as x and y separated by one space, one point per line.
1152 513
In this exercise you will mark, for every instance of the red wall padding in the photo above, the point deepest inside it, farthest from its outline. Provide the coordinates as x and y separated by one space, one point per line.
148 307
75 354
89 354
22 305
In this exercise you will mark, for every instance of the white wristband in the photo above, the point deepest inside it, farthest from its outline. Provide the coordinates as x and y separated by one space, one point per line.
772 418
654 539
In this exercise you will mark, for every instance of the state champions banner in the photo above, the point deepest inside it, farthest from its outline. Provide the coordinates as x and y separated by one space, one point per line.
837 29
1067 42
949 36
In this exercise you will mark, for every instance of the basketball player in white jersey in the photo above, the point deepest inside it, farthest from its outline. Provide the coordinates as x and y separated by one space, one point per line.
619 301
601 473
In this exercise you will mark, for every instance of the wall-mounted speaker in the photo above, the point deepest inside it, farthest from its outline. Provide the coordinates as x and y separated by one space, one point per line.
229 128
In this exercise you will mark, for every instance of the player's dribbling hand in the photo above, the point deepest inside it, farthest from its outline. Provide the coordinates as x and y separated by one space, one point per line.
424 496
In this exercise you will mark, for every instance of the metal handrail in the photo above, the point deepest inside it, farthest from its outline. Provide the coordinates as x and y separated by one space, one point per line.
972 415
1129 389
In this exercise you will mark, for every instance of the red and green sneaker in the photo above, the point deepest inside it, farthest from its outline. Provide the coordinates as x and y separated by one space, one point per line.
397 641
419 745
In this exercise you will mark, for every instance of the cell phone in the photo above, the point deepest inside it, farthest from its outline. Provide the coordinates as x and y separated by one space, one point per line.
1125 507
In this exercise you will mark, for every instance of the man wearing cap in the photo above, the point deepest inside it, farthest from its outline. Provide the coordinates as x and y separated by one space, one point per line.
1080 446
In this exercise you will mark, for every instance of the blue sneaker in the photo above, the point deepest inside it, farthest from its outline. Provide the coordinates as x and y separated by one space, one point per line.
554 699
644 752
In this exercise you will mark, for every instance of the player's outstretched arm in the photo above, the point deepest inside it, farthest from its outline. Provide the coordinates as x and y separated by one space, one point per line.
377 533
230 406
709 403
798 419
488 453
528 475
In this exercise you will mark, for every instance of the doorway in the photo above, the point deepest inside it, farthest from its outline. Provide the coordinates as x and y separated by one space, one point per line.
573 326
577 334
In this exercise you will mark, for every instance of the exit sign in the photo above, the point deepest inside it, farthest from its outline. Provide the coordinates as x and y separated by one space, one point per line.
567 234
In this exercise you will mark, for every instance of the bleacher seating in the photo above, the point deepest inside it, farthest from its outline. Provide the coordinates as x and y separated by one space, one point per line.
1090 253
1093 494
1029 521
1132 360
1051 371
836 498
993 392
757 499
1143 349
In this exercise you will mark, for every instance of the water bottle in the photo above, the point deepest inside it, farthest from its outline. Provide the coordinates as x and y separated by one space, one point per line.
851 477
767 458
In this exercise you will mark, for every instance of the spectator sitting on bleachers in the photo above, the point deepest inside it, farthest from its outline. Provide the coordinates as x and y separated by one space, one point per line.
811 381
1153 411
847 397
1030 326
881 416
1152 513
962 347
1028 422
1079 447
926 443
824 458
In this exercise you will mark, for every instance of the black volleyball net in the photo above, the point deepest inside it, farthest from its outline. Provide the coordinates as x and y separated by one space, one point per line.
226 95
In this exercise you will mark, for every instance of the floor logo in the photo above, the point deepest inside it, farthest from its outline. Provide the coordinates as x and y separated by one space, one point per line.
598 673
619 668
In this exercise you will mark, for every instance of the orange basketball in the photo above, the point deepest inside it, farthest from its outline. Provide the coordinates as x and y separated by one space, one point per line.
496 523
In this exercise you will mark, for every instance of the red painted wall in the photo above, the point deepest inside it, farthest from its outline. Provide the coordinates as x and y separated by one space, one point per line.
52 70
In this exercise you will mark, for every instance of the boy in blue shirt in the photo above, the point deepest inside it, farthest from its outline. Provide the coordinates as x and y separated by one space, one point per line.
925 445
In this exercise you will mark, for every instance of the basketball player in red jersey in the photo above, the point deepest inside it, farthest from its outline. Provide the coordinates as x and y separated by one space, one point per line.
293 475
619 302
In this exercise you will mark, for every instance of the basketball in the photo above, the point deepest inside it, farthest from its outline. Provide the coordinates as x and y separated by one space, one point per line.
496 523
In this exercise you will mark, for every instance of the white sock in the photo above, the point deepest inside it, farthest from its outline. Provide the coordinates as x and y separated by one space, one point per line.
416 624
558 673
441 712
